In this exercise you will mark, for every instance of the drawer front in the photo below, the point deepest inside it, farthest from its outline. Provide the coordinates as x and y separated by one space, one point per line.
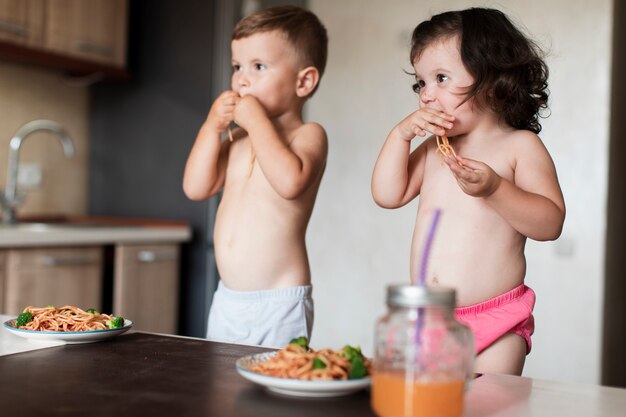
145 287
49 258
2 279
56 276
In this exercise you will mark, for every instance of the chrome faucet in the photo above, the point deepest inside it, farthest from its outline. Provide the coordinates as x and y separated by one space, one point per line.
10 199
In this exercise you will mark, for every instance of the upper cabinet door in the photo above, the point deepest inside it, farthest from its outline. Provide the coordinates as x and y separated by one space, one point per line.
93 30
22 21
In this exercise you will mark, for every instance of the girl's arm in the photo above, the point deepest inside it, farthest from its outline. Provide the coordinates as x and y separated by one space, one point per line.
290 168
205 170
398 173
533 204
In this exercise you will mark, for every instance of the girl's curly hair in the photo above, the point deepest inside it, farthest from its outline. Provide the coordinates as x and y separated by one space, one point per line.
508 68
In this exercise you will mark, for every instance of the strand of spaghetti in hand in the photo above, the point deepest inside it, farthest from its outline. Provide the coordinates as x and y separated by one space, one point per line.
444 147
66 319
298 361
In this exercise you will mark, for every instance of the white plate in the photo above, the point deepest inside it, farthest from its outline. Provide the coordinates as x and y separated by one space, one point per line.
297 387
67 337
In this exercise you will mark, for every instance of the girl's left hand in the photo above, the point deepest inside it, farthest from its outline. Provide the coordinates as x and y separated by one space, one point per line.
475 178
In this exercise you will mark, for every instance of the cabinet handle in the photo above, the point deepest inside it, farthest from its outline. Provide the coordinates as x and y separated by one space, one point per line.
149 256
18 30
49 260
93 48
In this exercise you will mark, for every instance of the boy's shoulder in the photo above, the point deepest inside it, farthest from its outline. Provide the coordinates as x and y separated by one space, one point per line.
310 130
313 127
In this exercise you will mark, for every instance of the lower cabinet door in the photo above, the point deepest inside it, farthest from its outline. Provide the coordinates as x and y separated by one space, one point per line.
53 276
2 279
145 286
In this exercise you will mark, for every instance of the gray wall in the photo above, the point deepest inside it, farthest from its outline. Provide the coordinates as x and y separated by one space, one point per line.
142 131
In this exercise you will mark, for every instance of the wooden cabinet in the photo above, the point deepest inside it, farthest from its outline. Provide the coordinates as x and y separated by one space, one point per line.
145 286
80 36
22 21
93 30
52 276
137 281
2 274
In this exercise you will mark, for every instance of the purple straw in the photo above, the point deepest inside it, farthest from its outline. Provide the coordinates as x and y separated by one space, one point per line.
421 281
427 246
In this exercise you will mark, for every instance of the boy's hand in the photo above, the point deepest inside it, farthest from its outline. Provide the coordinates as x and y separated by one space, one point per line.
424 120
248 111
475 178
221 114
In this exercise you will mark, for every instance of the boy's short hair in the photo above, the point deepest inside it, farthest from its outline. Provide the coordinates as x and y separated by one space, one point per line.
304 31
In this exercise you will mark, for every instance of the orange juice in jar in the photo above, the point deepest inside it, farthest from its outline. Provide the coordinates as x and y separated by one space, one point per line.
393 395
423 356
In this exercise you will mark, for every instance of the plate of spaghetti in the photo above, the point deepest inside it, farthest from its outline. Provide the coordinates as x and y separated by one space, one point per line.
298 370
68 323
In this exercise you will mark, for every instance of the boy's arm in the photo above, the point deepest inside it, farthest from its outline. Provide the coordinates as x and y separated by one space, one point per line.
205 170
533 205
289 168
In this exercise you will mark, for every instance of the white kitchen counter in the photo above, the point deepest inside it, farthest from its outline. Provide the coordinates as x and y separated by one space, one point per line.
513 396
10 343
45 234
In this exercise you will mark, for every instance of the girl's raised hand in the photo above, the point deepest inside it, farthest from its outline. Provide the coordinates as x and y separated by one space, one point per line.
425 120
474 177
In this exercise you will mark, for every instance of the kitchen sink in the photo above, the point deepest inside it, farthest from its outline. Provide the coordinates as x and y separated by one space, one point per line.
49 227
57 226
61 223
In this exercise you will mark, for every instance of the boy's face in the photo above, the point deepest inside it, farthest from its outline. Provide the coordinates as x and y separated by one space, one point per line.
443 81
265 66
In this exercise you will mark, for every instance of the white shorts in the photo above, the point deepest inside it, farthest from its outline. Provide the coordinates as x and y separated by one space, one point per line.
268 317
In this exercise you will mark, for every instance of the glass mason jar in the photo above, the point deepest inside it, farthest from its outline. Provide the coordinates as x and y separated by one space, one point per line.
423 357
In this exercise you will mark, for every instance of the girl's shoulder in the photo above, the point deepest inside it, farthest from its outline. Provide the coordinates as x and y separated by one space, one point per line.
525 143
524 138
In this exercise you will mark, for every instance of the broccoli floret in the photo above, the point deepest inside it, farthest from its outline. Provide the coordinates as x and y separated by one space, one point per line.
116 322
352 351
22 319
93 311
318 364
300 341
357 362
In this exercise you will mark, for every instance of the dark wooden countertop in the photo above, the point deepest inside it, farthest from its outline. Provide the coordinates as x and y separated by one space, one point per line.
140 374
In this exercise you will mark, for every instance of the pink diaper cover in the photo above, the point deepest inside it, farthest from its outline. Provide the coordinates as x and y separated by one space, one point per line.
511 312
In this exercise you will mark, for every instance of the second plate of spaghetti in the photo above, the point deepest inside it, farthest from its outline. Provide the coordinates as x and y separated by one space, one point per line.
87 336
297 387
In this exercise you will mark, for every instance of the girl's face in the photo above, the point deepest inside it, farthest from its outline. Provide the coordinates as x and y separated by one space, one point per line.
265 66
442 82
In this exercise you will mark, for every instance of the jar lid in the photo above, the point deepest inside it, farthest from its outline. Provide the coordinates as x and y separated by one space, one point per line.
407 295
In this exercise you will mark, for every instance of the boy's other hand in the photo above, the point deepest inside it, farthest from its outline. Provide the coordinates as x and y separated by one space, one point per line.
247 111
221 114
